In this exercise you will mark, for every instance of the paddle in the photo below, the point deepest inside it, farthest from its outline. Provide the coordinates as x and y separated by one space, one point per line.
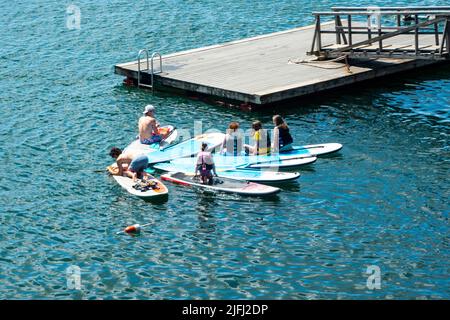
245 165
170 133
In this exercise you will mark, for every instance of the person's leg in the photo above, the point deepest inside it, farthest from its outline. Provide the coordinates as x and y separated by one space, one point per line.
249 149
138 165
128 174
152 139
210 179
157 138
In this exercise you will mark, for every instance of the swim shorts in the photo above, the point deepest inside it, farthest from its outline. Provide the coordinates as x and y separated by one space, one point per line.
153 139
139 164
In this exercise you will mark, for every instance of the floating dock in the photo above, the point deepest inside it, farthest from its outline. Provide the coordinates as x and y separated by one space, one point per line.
285 65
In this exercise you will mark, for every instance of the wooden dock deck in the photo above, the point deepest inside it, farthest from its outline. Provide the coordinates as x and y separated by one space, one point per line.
261 70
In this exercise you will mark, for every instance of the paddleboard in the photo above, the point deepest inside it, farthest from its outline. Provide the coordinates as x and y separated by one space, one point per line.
313 149
222 184
284 163
237 174
230 162
186 148
151 188
136 145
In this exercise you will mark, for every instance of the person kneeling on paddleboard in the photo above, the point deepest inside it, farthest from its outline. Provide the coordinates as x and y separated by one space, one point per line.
130 164
204 165
282 139
149 132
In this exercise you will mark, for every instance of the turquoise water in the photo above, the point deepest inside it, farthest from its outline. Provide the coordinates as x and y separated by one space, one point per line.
383 200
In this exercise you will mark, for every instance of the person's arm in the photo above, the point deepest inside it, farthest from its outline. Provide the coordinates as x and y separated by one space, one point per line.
155 125
119 166
212 164
196 166
257 138
275 142
223 144
256 146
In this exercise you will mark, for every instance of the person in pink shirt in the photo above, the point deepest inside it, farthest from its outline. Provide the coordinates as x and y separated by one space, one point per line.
204 165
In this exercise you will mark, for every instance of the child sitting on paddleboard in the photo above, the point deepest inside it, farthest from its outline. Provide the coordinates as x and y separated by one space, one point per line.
204 165
282 139
232 143
262 141
130 164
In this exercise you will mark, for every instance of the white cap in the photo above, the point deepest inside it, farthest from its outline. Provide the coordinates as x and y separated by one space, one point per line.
149 108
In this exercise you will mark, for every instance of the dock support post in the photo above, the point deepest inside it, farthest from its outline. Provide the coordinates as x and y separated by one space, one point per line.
337 29
380 42
349 21
416 34
436 33
319 36
447 23
341 30
445 38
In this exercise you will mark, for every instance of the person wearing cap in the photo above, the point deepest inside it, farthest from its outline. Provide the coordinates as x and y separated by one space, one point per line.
149 127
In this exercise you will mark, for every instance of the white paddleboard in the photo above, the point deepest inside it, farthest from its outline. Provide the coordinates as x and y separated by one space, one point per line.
230 162
128 183
259 175
137 146
186 148
222 184
313 149
237 174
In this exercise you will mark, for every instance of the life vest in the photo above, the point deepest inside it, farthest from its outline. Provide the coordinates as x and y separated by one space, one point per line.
284 137
262 150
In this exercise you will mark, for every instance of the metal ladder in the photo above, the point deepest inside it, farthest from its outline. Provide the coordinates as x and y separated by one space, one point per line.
151 69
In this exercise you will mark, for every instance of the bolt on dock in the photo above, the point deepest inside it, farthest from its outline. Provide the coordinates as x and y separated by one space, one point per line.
345 45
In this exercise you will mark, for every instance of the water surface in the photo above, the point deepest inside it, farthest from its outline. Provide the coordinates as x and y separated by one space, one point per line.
383 200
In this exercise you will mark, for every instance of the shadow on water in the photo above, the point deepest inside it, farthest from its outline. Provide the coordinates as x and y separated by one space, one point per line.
157 200
360 93
334 156
305 167
205 205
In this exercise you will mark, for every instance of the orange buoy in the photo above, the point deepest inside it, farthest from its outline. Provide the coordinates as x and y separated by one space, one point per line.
135 228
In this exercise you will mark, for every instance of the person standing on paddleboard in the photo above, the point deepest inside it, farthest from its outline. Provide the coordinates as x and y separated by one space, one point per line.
262 141
232 143
149 132
130 164
204 165
282 139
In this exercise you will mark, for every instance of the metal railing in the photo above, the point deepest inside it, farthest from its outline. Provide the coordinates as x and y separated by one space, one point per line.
437 24
150 68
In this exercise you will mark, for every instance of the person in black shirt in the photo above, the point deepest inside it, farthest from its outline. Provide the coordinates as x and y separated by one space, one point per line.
282 139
